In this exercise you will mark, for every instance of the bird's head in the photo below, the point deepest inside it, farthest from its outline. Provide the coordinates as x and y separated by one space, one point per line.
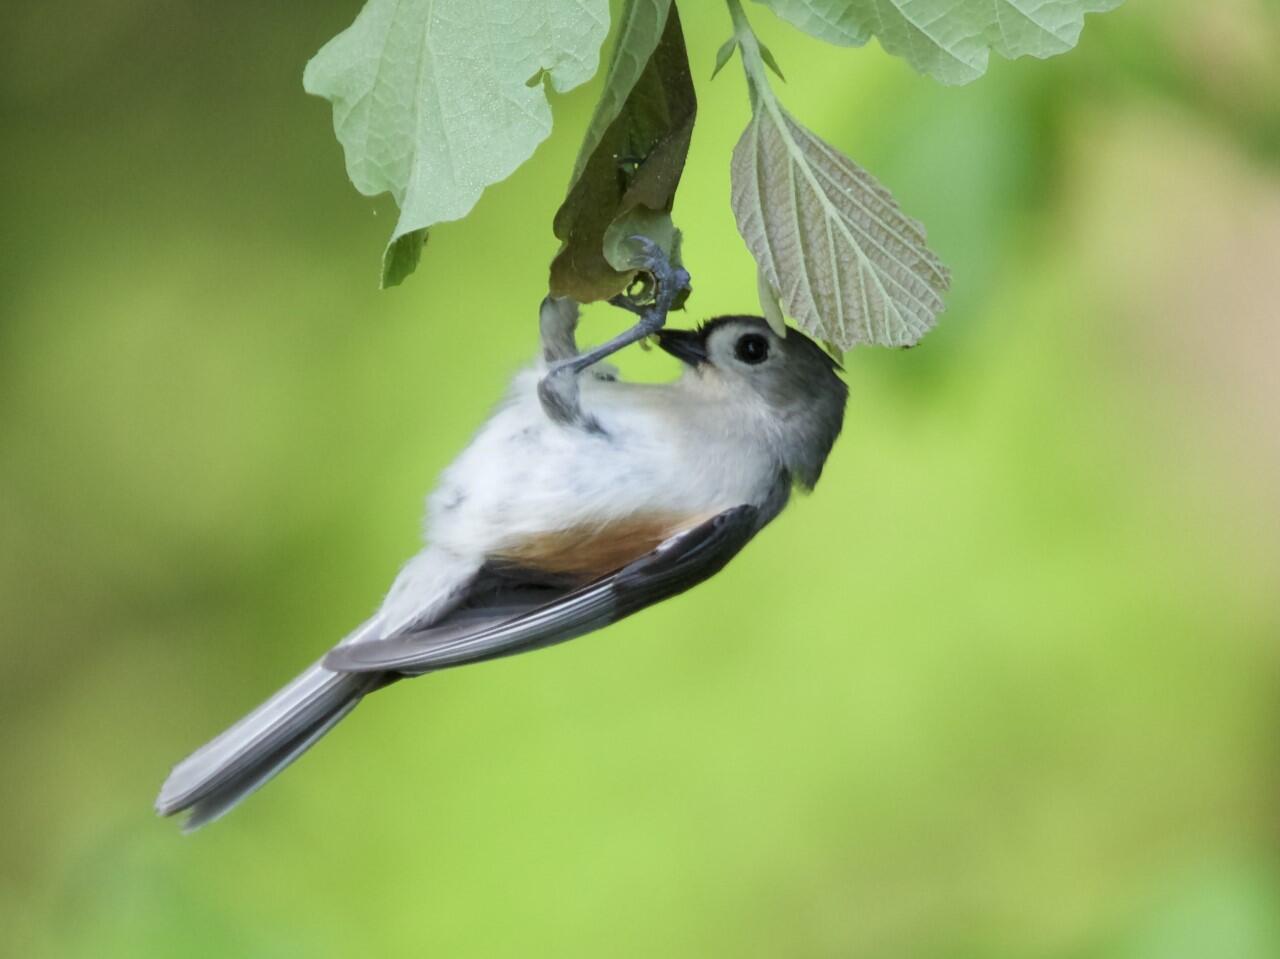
789 384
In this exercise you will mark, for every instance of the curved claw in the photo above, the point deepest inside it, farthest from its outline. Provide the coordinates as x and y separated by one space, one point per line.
667 284
558 388
652 258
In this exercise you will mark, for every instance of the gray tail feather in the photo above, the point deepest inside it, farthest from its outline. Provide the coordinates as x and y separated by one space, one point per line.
220 774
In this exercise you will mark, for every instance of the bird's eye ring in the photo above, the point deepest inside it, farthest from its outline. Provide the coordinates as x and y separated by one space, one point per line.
752 348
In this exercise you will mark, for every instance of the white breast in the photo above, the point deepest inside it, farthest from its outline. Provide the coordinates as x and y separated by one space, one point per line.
664 449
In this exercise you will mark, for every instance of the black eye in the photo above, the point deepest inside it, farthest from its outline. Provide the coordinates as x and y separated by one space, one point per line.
752 348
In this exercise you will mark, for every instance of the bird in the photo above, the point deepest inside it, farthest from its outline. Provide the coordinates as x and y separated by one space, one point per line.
570 509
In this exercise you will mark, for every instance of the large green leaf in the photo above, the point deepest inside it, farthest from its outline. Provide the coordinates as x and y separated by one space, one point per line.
631 160
433 100
947 39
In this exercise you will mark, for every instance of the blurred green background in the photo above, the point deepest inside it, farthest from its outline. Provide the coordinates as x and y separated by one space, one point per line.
1006 685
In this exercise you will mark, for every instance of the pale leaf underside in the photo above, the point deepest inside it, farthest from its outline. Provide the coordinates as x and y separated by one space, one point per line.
948 39
846 263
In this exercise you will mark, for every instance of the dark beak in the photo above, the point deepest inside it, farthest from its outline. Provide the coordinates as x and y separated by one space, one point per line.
686 345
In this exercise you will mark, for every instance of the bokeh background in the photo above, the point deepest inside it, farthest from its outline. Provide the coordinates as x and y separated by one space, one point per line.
1006 685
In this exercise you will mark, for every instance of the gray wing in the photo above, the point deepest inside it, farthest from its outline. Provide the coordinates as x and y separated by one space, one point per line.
481 632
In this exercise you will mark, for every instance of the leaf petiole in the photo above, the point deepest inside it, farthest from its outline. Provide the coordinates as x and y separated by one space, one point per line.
753 61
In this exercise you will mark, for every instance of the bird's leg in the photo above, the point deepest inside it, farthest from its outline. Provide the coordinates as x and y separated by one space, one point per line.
668 283
558 389
557 321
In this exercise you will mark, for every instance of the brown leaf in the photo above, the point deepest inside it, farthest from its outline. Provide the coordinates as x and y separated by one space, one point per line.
635 167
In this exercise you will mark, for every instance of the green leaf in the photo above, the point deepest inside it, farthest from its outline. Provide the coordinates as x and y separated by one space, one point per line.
947 39
844 260
723 55
620 248
432 102
767 56
633 168
401 257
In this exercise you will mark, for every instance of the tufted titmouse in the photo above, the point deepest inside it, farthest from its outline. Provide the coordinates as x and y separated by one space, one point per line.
582 500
